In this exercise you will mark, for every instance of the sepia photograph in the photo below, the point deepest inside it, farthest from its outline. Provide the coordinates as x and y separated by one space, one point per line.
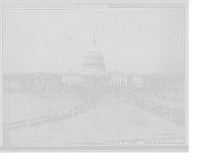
110 78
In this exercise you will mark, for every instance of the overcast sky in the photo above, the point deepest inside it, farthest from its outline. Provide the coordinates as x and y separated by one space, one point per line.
131 40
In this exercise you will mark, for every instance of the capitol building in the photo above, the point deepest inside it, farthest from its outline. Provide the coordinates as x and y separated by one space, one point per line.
93 73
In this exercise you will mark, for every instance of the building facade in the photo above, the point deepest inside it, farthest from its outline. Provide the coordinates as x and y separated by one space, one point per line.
37 81
149 81
92 74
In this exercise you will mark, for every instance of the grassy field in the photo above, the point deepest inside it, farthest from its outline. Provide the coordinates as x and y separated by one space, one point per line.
112 120
26 105
178 105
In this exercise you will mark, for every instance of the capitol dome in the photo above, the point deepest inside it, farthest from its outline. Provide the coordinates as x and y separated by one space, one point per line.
94 60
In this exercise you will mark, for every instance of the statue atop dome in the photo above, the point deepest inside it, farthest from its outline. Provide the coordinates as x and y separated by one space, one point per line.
94 41
94 60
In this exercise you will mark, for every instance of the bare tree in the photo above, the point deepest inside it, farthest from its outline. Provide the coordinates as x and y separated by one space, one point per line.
134 91
145 101
113 91
98 85
151 103
16 83
47 84
73 104
5 84
137 115
64 88
27 89
168 98
55 86
121 93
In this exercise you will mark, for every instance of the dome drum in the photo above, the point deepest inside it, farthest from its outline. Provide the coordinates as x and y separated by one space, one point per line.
94 60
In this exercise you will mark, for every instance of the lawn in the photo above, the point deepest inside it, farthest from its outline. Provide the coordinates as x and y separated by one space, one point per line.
26 105
177 105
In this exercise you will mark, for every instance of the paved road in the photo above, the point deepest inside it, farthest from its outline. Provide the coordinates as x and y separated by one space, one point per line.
55 117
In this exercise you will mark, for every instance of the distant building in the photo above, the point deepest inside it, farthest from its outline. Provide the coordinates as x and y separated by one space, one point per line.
92 74
72 78
134 80
38 81
118 79
155 80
